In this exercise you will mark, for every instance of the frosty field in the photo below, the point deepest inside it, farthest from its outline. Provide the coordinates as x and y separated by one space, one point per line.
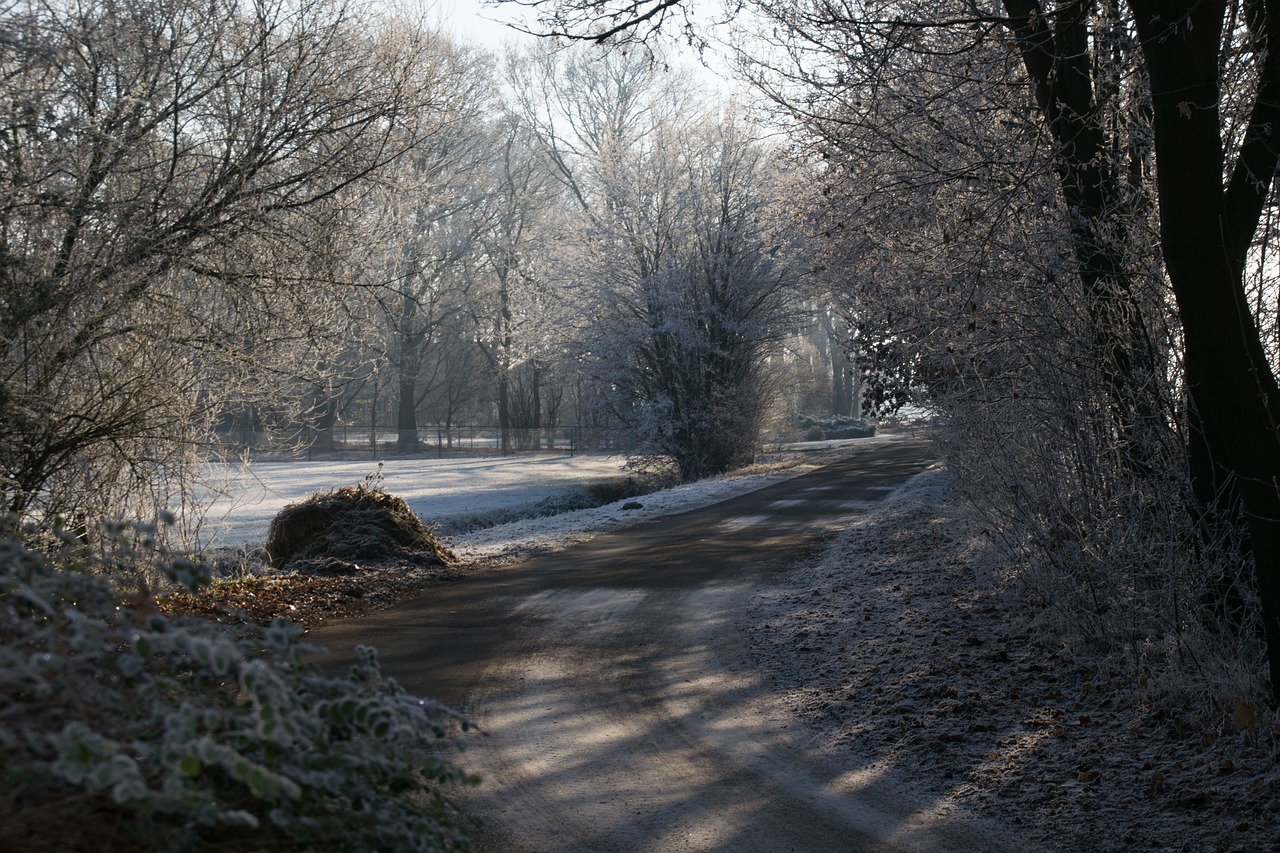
248 497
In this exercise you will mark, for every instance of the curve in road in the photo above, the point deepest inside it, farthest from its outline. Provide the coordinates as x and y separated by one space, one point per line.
619 712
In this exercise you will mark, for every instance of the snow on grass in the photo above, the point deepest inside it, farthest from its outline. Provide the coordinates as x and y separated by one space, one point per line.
474 493
439 490
528 537
900 647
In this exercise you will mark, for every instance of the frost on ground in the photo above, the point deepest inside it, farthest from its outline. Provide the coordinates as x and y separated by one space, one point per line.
530 537
508 505
478 495
905 646
243 499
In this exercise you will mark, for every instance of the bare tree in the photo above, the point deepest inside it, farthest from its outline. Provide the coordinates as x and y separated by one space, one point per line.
515 310
693 376
679 294
457 379
424 223
1108 83
174 173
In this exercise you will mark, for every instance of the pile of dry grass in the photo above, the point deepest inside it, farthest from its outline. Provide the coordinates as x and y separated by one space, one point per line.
332 531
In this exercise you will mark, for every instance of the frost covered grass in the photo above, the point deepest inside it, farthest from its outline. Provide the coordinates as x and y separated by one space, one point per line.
446 493
483 525
485 502
915 643
912 643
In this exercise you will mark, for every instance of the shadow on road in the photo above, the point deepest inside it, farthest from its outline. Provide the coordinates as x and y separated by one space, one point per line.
619 718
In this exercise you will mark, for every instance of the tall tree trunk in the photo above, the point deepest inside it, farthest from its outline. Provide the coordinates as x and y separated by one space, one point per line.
841 370
536 426
326 411
1056 52
1206 231
504 413
373 416
407 415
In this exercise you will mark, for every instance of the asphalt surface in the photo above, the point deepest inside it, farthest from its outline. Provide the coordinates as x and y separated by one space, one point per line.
598 674
440 644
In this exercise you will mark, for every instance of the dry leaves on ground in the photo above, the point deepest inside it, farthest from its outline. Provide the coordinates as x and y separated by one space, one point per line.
307 599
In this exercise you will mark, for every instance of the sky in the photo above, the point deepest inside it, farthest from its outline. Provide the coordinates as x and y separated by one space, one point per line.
487 26
472 19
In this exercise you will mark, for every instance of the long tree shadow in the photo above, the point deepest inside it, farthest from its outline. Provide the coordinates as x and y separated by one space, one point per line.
617 717
633 727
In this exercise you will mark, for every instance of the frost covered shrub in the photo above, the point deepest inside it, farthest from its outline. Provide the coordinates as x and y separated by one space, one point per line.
1111 561
126 730
621 488
820 429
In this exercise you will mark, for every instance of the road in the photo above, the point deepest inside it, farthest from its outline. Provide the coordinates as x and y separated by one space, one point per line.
619 714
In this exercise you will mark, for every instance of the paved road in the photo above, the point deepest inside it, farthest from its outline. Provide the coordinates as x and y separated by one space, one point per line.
605 676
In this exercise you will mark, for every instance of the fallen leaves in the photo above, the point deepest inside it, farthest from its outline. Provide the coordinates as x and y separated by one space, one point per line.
307 599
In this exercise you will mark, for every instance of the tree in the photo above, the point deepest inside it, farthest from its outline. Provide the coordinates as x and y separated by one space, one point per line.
1197 81
174 174
456 377
514 314
1211 197
427 228
694 376
683 295
424 225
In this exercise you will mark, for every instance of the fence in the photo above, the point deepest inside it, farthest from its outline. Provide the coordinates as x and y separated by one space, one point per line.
436 439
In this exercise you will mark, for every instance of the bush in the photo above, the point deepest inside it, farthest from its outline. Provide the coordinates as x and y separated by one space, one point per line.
359 522
123 729
621 488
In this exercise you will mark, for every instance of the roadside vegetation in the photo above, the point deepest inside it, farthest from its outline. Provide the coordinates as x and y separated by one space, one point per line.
1058 219
125 728
912 644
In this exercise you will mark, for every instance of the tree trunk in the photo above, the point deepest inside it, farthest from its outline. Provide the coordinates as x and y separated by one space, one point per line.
535 428
504 413
326 417
1056 53
1221 528
1205 234
841 392
373 417
407 416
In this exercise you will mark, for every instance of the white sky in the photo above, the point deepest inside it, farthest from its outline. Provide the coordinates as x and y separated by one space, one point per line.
473 20
486 25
